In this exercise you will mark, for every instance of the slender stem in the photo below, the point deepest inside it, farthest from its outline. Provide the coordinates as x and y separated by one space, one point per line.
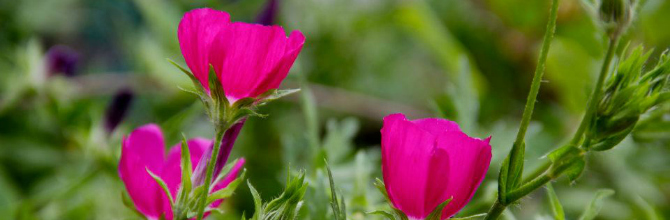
496 210
518 148
210 170
537 77
528 188
537 172
595 95
539 181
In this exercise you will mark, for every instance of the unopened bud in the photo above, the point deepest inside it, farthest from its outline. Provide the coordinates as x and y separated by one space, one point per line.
615 15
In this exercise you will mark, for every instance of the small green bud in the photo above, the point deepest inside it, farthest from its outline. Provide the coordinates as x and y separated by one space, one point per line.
629 93
615 15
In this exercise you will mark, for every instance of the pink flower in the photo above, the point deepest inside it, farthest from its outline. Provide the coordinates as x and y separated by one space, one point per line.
144 149
427 161
249 59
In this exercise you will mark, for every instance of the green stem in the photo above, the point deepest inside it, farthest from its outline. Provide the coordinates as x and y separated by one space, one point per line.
537 172
210 170
518 147
537 77
496 210
595 95
540 181
528 188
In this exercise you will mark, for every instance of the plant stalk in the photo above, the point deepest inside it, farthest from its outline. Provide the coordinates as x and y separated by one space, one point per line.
539 181
210 170
595 94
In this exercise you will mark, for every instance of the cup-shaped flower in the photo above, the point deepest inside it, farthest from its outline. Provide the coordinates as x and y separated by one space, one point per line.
143 150
426 162
248 59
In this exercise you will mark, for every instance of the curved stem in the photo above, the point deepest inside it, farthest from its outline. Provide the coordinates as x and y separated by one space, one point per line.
496 210
210 170
538 171
528 188
595 95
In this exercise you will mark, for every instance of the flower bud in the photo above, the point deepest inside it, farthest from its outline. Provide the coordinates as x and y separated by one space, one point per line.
615 15
629 93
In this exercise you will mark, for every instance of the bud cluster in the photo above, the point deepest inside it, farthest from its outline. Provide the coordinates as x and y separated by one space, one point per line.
629 93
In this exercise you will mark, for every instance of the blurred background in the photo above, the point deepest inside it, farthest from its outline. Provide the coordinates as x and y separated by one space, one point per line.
78 75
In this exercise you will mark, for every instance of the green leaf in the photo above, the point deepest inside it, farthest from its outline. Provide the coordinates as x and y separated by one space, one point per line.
160 182
224 172
556 207
382 213
200 90
339 210
512 171
258 202
274 94
382 189
227 191
574 171
437 213
596 204
186 167
217 94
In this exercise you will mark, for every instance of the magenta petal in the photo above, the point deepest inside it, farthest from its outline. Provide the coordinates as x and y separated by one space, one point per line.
436 125
469 159
250 58
143 149
196 32
171 173
406 152
229 178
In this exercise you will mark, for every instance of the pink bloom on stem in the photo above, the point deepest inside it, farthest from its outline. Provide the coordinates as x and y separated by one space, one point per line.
427 161
143 149
249 59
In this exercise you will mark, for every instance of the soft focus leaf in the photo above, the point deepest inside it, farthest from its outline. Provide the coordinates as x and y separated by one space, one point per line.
594 207
556 207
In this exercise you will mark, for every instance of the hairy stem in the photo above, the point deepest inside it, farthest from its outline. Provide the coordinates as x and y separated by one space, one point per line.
542 177
595 94
210 170
518 147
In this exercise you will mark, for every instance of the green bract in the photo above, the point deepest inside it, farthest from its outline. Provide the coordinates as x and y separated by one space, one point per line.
628 94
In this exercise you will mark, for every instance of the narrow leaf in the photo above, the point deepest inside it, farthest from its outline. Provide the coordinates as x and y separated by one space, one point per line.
476 216
258 203
162 184
437 213
556 207
186 167
386 214
596 204
227 191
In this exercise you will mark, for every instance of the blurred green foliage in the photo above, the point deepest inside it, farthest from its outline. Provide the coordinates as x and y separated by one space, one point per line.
468 61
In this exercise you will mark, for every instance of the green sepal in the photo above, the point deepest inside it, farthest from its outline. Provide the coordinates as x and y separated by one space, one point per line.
595 205
224 171
437 213
475 216
511 171
186 166
569 160
258 202
200 90
386 214
228 190
382 189
162 185
556 207
274 94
